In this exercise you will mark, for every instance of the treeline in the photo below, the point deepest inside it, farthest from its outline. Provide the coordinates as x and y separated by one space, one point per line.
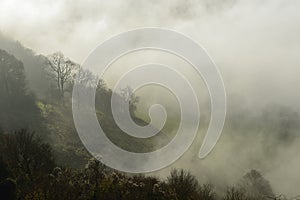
17 105
28 171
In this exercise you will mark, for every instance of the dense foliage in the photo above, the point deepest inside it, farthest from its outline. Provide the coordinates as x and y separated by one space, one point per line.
28 171
17 105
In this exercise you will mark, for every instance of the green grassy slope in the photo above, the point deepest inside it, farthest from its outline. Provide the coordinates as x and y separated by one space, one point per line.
67 146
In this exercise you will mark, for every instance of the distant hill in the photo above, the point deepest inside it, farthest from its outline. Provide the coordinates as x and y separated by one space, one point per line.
17 104
33 64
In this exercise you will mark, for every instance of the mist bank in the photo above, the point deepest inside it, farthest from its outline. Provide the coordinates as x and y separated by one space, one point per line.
255 44
260 135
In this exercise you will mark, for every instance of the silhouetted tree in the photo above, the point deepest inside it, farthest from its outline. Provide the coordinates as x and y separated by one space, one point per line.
256 185
29 160
235 193
62 70
206 192
184 184
17 105
12 78
128 95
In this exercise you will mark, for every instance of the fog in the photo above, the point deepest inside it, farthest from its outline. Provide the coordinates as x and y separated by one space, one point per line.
255 44
250 41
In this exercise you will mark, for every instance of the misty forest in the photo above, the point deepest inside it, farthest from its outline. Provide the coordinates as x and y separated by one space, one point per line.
256 157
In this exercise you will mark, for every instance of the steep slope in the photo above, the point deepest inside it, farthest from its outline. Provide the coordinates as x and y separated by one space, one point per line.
17 104
53 120
33 64
67 146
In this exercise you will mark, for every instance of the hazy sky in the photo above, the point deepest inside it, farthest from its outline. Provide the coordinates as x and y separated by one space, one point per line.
76 27
255 43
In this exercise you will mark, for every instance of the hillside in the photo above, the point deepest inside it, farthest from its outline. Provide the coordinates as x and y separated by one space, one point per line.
51 119
67 145
34 65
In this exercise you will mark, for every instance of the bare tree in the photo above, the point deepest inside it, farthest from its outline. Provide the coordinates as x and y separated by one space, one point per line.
235 193
62 69
256 185
184 184
128 95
